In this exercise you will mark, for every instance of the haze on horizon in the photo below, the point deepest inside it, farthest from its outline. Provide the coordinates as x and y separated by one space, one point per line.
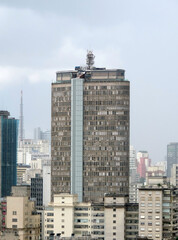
38 38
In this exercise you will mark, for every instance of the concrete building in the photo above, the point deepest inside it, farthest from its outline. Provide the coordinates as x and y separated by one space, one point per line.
3 210
37 190
143 163
158 210
174 175
90 133
29 147
133 192
21 172
46 185
172 157
114 218
8 150
131 221
21 214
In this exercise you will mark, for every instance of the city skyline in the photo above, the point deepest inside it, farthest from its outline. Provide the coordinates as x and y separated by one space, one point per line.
39 39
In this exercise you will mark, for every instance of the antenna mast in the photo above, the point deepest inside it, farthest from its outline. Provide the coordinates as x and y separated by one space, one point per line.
90 59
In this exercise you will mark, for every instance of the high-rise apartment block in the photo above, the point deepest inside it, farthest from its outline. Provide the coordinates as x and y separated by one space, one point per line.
90 133
158 210
8 150
172 156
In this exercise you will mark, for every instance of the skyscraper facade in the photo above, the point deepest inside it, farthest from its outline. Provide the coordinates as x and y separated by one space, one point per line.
8 153
90 133
172 156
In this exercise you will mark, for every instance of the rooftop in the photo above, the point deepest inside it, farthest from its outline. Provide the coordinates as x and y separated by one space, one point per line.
94 74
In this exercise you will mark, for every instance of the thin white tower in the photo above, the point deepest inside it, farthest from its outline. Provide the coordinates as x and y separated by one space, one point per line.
21 131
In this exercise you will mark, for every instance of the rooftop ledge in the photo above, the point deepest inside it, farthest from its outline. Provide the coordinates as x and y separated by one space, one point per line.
95 74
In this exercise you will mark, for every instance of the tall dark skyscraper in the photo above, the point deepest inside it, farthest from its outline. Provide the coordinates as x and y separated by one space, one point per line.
172 156
8 153
90 132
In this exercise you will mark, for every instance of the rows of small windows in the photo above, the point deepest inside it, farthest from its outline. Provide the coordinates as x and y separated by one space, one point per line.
108 86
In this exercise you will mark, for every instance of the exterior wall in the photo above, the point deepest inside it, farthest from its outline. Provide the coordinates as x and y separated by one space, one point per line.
105 140
133 193
63 206
46 185
77 137
114 223
174 175
48 223
82 219
131 221
21 216
114 217
8 157
37 191
170 210
150 213
61 139
97 221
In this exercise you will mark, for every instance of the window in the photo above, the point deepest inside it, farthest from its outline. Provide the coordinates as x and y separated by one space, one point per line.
62 226
114 215
114 221
14 213
150 204
142 217
142 229
114 233
50 214
14 226
63 209
14 219
114 227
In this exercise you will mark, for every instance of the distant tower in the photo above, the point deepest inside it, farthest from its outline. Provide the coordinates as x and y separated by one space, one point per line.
90 60
21 131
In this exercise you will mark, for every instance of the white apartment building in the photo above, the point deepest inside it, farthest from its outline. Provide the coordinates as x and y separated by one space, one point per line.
174 175
115 218
158 210
27 147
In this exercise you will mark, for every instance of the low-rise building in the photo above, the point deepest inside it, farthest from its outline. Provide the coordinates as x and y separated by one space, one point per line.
21 216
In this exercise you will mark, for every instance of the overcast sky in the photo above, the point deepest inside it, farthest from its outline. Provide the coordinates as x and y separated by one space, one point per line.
40 37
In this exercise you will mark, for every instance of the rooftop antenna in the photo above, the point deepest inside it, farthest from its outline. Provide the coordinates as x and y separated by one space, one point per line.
21 132
90 59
